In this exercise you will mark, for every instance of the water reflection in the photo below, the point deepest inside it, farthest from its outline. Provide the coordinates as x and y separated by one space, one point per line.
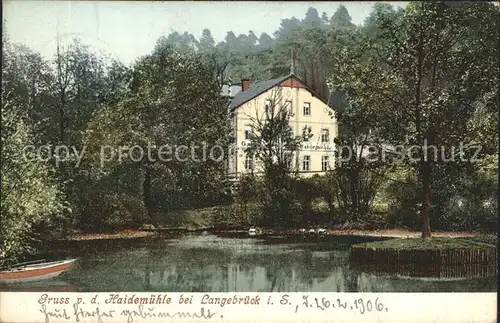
213 264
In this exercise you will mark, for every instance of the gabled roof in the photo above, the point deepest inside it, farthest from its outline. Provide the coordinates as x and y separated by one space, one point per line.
335 99
255 90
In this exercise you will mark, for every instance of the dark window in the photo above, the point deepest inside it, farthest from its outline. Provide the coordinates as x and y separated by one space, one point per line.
307 108
325 135
325 163
268 106
248 131
249 162
288 108
306 163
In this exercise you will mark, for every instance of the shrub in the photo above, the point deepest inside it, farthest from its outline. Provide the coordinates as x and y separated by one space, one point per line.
402 205
320 206
461 201
110 212
30 194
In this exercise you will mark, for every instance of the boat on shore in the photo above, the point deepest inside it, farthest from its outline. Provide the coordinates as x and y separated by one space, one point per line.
34 271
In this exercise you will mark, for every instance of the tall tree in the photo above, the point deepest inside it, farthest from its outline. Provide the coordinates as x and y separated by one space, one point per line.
312 17
324 18
29 192
274 146
184 42
230 39
161 116
265 41
425 74
207 42
381 12
29 80
287 27
341 20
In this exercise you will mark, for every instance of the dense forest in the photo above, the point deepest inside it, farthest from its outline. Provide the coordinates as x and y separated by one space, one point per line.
427 72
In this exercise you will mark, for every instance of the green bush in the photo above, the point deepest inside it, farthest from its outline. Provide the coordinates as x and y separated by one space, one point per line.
246 208
30 194
110 212
320 206
460 201
240 215
402 205
380 206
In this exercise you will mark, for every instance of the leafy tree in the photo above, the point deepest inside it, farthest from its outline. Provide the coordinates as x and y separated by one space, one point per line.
341 20
230 39
306 190
405 74
287 26
265 41
116 82
170 111
324 18
28 78
247 192
252 39
273 145
312 17
207 42
79 89
373 24
29 193
83 83
184 42
359 172
425 74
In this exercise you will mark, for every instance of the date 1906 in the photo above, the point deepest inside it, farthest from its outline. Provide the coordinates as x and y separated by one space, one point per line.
360 305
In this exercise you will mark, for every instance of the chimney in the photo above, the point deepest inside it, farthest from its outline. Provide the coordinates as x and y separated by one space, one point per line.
245 84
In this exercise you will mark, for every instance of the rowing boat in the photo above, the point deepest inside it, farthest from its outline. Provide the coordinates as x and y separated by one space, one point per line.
35 271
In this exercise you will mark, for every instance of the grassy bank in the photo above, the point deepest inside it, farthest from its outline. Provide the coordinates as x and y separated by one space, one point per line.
222 216
234 216
423 244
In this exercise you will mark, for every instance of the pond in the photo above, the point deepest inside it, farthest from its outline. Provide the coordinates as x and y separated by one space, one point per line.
209 263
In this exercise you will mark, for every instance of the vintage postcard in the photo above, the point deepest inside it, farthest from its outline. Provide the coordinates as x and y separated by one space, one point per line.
249 161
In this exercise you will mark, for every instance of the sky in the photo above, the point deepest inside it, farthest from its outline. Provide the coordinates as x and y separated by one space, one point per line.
127 30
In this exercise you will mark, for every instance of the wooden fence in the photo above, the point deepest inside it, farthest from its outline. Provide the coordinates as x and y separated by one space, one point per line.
454 263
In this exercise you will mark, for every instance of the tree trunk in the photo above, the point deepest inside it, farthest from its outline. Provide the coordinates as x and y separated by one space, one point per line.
62 118
354 194
61 165
331 208
426 191
246 212
146 190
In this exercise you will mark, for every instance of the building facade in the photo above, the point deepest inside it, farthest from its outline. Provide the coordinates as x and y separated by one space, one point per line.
306 109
